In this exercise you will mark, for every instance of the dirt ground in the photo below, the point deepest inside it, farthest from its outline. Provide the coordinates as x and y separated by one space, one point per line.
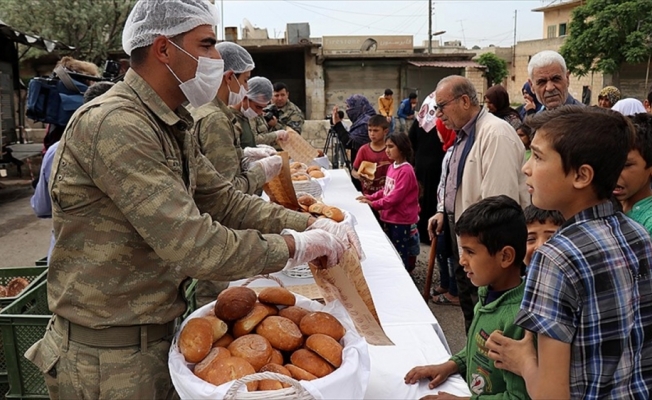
24 238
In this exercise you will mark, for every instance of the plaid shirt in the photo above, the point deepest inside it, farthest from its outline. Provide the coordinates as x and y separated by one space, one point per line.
590 286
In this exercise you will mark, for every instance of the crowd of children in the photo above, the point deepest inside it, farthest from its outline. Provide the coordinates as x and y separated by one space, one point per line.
565 287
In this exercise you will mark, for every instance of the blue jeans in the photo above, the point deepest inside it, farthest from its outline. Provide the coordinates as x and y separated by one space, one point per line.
400 236
446 272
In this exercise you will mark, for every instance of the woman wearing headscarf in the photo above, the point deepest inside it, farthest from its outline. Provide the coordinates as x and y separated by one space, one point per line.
497 100
358 110
629 107
532 105
608 97
428 156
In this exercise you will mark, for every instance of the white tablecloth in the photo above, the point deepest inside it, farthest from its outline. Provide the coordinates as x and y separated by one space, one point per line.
403 313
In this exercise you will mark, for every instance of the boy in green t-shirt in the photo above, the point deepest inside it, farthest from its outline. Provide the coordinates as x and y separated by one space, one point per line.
492 235
633 189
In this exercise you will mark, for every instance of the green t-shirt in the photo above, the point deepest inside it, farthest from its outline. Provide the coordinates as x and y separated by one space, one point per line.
642 213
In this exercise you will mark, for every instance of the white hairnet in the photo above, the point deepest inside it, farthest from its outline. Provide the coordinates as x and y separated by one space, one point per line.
629 107
236 58
151 18
260 90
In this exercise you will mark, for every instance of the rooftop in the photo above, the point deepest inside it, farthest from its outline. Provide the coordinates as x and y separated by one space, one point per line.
560 5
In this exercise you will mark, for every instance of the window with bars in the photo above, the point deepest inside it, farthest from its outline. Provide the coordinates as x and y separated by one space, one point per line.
552 31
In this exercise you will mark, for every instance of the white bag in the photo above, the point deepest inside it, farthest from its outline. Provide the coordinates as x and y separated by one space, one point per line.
347 382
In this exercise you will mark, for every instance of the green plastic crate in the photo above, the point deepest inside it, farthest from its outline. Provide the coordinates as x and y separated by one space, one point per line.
41 261
23 323
33 274
4 385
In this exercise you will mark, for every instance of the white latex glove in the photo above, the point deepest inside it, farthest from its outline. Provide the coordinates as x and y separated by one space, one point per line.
271 165
314 244
281 135
259 152
343 231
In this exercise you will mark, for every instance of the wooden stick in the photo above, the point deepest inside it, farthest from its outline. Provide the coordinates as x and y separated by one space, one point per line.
431 268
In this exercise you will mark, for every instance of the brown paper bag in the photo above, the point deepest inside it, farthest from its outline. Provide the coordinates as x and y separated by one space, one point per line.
346 283
280 189
298 148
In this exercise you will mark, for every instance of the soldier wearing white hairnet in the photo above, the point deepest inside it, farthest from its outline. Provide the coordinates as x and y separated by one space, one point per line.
138 211
258 96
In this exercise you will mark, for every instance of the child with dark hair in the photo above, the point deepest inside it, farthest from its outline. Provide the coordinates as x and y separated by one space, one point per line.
492 235
633 188
541 225
398 202
373 152
647 103
588 294
524 133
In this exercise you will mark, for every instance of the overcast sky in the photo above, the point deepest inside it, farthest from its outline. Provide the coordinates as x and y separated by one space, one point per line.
474 22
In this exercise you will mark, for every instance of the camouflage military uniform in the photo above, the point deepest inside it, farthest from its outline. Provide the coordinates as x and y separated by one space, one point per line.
220 143
136 211
243 129
263 135
290 116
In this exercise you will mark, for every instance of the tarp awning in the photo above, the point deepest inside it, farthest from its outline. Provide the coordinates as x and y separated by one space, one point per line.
447 64
31 40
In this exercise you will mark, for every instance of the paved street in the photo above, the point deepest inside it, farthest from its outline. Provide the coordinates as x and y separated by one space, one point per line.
25 239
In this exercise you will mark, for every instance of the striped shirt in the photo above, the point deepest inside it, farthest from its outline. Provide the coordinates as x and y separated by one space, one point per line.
590 286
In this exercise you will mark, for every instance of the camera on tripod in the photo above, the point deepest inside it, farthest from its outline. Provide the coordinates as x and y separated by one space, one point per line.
111 70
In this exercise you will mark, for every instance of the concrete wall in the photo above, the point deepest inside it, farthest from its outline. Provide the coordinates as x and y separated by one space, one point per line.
316 132
479 81
315 88
632 80
556 17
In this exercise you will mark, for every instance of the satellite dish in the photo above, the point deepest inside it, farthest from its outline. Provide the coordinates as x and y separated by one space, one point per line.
248 27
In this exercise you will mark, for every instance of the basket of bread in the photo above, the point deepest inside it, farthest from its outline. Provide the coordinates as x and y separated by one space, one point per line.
270 345
309 179
319 209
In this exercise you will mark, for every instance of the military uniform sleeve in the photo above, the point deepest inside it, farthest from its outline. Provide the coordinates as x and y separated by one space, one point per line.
236 210
151 194
292 119
221 147
266 138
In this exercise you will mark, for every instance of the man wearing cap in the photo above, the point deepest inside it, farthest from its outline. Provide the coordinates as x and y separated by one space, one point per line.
215 126
251 107
137 210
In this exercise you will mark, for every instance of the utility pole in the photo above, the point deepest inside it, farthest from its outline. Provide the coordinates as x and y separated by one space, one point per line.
514 45
429 26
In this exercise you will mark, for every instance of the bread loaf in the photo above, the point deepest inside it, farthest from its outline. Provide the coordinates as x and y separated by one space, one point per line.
282 333
313 168
271 309
333 213
254 348
294 313
234 303
3 291
16 286
277 357
321 322
368 170
201 369
219 327
316 174
196 340
300 374
277 295
248 323
224 341
311 362
268 384
229 369
326 347
317 208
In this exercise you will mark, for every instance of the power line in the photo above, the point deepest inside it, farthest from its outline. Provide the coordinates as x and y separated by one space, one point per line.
378 20
307 4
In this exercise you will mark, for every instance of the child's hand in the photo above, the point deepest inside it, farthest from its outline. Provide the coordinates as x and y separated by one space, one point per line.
364 200
443 396
512 355
436 373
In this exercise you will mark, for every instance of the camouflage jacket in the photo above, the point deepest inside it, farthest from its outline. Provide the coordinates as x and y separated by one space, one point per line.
137 209
290 116
220 143
263 135
243 129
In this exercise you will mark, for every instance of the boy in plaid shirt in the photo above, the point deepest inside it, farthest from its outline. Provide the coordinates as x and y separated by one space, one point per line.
588 295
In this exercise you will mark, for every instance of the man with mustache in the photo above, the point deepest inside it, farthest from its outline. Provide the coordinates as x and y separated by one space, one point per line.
549 79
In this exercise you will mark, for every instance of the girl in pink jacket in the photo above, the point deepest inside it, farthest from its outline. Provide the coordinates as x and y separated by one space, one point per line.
398 202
